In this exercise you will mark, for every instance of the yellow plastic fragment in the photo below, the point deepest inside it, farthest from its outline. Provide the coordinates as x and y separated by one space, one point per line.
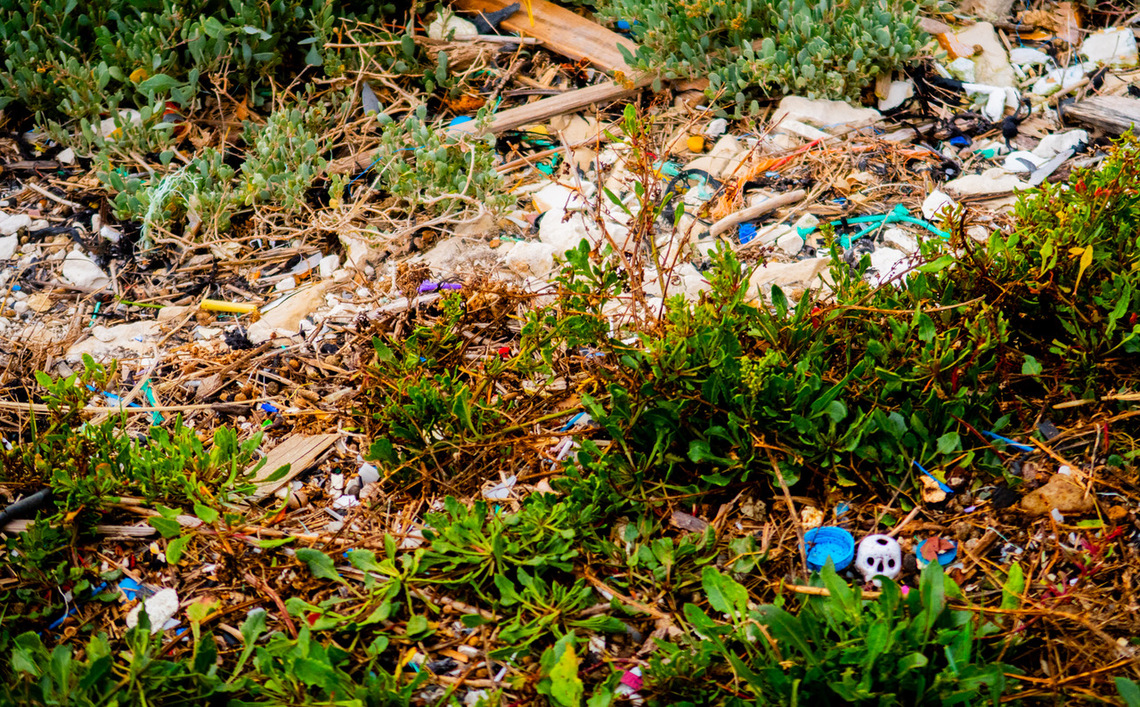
217 305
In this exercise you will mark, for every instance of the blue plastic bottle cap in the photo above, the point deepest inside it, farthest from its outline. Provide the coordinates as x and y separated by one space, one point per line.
829 542
945 558
624 25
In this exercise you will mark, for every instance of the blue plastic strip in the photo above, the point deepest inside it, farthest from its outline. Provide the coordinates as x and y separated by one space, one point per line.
941 485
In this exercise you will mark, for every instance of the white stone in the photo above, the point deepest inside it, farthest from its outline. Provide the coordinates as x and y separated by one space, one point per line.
901 239
328 265
82 272
1058 79
1052 145
792 278
878 555
885 263
444 27
66 156
897 94
1028 56
20 307
8 246
530 259
557 196
14 224
286 284
160 608
1112 47
563 231
822 112
936 205
358 251
991 63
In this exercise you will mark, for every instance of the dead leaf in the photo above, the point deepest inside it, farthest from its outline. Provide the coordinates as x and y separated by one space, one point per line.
934 547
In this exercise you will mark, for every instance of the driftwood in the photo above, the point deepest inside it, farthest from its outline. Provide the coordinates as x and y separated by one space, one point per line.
1113 114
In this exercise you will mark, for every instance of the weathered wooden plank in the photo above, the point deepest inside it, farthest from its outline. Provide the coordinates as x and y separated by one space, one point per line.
566 33
1113 114
299 452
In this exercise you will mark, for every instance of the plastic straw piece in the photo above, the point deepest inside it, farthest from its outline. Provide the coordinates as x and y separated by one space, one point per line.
217 305
1010 442
941 485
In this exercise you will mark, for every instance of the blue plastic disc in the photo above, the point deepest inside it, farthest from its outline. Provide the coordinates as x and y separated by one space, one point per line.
829 542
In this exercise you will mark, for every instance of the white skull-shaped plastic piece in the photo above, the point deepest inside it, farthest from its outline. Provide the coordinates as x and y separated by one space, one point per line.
879 554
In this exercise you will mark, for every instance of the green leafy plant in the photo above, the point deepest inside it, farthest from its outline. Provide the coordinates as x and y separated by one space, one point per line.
822 48
905 649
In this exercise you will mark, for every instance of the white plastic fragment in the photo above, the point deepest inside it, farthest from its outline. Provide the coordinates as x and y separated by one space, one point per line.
1022 162
878 555
1058 79
369 474
716 128
328 265
81 271
502 491
160 608
1028 56
897 94
963 69
1112 47
1052 145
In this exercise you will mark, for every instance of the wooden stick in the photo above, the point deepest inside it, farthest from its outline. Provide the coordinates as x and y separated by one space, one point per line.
754 211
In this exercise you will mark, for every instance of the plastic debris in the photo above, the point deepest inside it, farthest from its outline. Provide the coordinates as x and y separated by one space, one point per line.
160 609
829 543
878 555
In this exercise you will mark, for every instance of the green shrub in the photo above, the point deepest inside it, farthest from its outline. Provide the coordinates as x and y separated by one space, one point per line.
821 48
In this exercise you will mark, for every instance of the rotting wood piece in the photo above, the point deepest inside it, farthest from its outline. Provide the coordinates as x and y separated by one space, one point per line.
568 34
1113 114
299 452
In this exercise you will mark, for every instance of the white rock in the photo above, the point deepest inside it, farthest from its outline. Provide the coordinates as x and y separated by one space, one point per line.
963 69
160 608
110 233
530 259
14 224
82 272
901 239
1028 56
897 94
563 231
557 196
936 205
991 64
823 113
20 307
358 251
992 181
442 28
66 156
885 263
289 283
1051 145
8 246
1112 47
328 265
1022 162
1058 79
792 278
